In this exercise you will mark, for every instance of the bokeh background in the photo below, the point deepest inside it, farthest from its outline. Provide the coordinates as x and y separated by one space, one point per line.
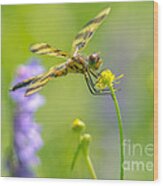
125 41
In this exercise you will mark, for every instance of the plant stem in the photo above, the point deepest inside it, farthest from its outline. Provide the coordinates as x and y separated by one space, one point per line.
120 131
90 166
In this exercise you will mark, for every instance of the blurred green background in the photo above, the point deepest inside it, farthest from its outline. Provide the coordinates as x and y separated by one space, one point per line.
125 41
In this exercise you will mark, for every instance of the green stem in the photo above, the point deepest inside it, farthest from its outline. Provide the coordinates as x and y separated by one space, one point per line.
120 130
90 166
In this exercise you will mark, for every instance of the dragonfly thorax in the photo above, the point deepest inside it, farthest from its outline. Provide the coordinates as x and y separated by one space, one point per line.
94 61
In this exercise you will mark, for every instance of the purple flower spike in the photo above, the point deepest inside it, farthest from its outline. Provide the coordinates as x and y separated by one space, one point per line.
27 138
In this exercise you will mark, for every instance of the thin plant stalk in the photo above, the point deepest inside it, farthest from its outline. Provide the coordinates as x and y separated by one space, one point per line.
85 141
90 166
120 130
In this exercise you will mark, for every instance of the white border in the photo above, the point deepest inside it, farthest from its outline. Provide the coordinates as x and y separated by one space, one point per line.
58 1
62 182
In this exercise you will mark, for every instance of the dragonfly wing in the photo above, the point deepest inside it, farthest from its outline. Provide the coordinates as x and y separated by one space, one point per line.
46 49
22 84
39 83
35 87
34 84
83 37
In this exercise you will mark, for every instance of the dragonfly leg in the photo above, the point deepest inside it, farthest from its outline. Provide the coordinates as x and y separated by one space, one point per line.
91 86
95 76
88 84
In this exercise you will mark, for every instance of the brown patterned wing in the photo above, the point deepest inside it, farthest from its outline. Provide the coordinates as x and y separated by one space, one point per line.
84 36
46 49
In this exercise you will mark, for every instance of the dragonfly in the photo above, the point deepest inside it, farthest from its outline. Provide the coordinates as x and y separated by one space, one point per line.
76 63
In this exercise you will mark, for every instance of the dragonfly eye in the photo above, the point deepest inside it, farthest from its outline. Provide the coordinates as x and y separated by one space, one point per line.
95 61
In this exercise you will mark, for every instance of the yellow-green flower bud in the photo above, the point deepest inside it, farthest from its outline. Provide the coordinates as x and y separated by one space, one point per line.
86 138
78 125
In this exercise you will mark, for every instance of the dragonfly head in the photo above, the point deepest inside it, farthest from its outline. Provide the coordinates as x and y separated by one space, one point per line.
94 61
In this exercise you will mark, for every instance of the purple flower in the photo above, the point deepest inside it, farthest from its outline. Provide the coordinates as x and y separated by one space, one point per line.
27 138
